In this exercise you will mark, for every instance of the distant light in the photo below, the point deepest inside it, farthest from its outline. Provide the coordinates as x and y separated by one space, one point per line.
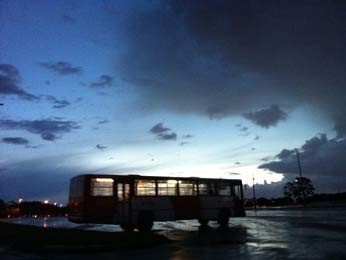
20 200
60 205
46 201
104 180
55 203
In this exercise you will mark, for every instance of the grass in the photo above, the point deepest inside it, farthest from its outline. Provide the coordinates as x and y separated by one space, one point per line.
30 238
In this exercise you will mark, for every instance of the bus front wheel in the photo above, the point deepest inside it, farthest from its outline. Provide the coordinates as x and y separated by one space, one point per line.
145 221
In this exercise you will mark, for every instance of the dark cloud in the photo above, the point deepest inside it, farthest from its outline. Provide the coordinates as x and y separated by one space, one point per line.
171 136
101 122
257 138
48 129
225 58
9 80
61 68
158 129
15 140
319 156
184 143
56 102
100 147
32 146
161 132
104 81
242 128
340 127
267 117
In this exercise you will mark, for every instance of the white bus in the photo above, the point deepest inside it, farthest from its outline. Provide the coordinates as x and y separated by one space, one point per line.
134 201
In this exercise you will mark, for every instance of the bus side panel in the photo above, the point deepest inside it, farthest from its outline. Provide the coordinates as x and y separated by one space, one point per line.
186 207
161 207
100 209
210 206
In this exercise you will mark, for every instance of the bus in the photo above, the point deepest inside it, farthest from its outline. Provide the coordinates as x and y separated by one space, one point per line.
135 201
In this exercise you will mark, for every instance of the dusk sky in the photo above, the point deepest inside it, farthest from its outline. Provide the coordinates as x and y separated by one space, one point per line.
179 88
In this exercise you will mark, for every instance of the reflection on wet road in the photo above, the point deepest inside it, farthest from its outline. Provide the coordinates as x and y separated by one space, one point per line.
265 234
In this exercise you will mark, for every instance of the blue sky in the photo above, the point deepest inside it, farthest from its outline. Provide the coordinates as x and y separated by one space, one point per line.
84 83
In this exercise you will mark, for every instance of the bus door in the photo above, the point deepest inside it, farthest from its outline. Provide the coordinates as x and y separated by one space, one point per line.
123 205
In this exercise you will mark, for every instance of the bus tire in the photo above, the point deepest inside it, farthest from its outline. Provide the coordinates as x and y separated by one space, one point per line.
223 218
145 221
203 222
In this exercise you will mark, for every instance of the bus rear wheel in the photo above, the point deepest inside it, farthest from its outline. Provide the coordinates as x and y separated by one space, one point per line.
223 218
145 221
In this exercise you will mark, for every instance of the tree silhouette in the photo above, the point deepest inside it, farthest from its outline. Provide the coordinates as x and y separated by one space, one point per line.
299 189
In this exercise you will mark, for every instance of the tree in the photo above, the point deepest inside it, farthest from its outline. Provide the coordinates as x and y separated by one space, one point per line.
300 189
3 207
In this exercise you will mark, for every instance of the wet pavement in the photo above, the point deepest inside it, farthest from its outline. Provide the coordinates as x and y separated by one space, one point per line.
263 234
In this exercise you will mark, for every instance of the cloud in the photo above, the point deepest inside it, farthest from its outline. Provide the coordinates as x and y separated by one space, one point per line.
183 143
187 136
101 122
104 81
100 147
171 136
15 140
242 128
56 102
158 129
267 117
61 68
48 129
161 132
319 156
9 80
225 58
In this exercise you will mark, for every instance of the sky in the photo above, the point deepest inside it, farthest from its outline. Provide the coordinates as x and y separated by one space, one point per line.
222 89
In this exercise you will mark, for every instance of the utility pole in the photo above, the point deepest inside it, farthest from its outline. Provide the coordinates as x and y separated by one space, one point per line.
299 165
254 192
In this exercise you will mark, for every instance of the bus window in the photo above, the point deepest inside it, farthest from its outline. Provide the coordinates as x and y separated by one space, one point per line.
145 188
224 188
187 188
120 192
101 187
167 187
206 188
127 192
